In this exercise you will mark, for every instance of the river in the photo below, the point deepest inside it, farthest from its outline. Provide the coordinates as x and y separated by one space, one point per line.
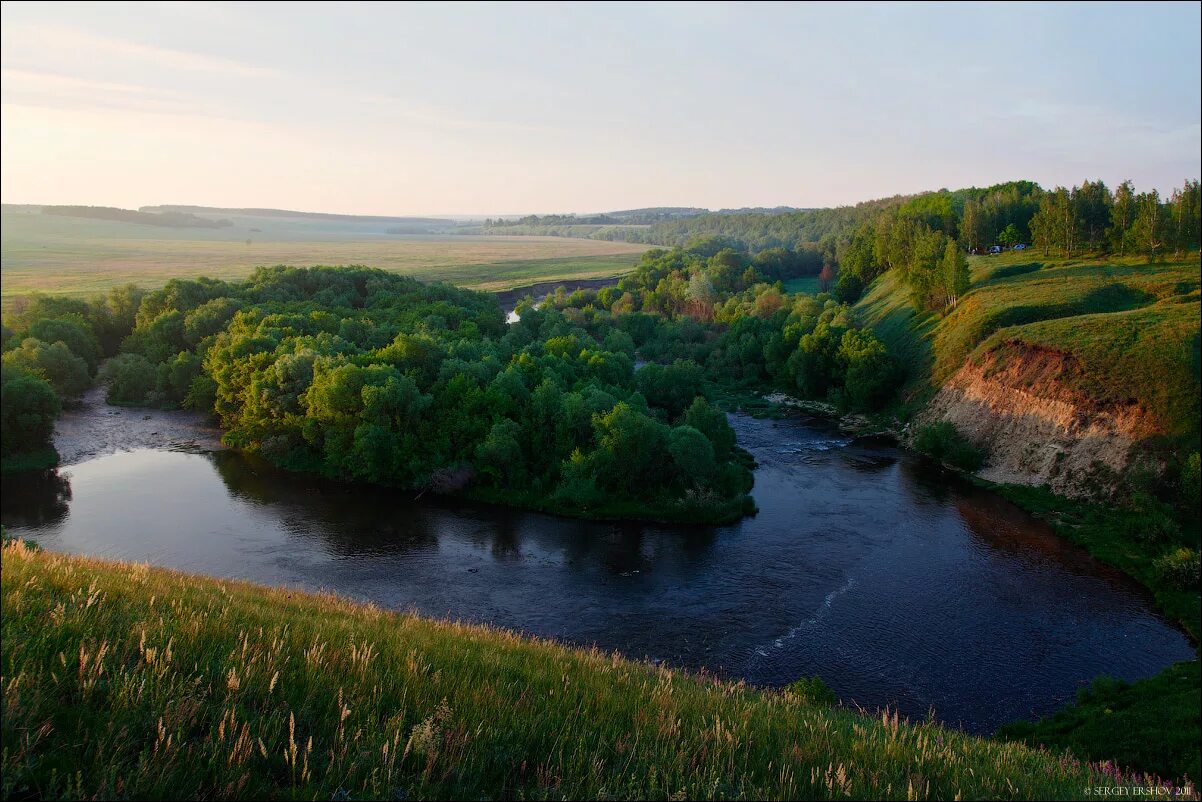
896 583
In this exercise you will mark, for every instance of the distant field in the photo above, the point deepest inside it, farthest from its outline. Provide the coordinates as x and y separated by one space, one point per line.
76 256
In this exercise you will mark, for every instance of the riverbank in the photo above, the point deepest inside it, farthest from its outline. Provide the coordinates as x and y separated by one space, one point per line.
93 428
508 299
1151 724
180 683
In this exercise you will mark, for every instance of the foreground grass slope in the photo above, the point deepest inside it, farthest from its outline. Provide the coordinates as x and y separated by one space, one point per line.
126 681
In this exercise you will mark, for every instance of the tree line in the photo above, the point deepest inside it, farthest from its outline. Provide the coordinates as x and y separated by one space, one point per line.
1091 217
925 238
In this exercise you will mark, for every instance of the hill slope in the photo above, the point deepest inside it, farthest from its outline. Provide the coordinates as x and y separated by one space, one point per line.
1055 368
121 680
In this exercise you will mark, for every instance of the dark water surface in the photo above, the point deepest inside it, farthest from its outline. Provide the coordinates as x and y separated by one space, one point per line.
893 582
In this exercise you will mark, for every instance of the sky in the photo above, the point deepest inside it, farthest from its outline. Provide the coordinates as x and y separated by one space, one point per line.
515 108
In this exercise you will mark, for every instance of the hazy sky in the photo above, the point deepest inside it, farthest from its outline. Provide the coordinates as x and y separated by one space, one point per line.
412 109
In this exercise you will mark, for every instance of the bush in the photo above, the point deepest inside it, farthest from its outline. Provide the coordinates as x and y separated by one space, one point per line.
1180 568
942 441
28 407
73 332
131 378
813 690
54 362
1190 478
1147 520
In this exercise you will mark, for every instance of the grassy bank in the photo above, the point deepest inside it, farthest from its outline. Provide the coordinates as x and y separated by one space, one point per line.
1151 723
122 680
1122 537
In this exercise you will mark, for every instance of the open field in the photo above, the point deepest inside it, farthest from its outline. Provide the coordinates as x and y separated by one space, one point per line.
807 284
124 680
77 256
1131 326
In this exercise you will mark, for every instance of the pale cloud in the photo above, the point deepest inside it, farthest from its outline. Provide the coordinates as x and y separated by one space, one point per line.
50 41
51 90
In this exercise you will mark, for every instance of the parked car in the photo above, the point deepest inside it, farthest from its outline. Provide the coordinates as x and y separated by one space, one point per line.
1020 247
995 249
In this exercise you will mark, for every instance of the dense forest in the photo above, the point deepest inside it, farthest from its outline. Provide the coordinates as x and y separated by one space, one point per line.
360 374
630 217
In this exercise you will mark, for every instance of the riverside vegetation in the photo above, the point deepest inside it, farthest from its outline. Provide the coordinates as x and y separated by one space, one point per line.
358 374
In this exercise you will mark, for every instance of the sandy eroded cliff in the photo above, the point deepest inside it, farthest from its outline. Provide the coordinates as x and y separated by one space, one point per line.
1018 403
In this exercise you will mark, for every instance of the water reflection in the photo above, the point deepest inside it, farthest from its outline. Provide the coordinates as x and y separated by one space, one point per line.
39 498
891 579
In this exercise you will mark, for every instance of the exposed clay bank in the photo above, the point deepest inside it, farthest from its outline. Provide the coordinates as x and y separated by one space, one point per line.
892 581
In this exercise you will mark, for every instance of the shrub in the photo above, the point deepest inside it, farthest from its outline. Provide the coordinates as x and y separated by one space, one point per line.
1190 478
1148 520
1179 568
130 378
28 407
813 690
942 441
54 362
73 332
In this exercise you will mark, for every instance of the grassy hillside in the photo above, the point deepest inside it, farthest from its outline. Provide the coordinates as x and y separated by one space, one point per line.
1132 327
121 680
79 256
1151 723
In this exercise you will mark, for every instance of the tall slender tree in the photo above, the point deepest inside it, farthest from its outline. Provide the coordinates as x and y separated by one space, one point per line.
1122 214
1185 213
1066 219
955 273
1043 224
972 227
1091 202
1150 225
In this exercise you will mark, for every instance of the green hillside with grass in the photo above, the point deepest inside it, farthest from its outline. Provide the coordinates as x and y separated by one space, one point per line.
1131 326
129 681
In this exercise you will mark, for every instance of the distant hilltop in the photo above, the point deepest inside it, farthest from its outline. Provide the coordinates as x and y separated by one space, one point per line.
286 213
166 219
